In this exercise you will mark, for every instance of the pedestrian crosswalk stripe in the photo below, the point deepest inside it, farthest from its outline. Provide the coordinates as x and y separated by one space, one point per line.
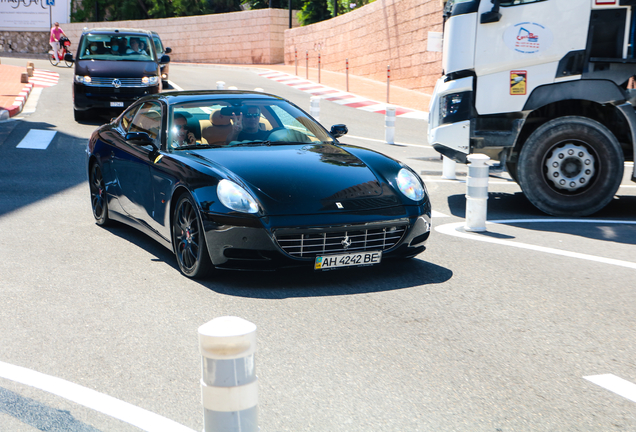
37 139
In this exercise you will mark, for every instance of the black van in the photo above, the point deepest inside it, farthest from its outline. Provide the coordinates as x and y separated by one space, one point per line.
113 68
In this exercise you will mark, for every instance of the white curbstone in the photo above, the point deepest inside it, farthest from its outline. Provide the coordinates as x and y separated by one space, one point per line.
314 107
389 124
229 386
477 193
448 168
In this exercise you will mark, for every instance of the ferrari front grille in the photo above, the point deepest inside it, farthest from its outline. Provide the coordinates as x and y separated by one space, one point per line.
312 244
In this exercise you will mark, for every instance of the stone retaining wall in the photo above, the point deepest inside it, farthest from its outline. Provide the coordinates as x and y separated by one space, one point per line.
383 33
24 42
248 37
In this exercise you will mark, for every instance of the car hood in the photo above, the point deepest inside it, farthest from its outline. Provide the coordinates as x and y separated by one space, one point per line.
304 179
116 68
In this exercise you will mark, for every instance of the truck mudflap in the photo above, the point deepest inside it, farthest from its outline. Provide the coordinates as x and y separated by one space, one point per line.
449 117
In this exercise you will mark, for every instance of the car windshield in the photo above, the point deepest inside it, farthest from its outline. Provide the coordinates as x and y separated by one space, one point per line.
116 47
241 122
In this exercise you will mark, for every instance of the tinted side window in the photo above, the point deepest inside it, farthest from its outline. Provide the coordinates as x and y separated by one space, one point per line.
126 119
148 119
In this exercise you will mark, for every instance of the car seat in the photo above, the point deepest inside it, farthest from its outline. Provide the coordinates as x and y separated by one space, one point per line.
220 128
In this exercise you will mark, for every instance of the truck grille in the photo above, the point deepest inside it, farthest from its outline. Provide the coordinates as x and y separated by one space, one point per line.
108 82
312 244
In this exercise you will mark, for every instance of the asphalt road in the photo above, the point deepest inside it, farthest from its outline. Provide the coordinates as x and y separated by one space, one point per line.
481 332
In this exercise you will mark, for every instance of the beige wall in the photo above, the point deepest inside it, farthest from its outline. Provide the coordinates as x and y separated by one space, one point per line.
249 37
385 32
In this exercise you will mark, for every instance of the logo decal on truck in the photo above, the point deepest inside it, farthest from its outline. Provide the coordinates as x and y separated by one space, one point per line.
518 82
528 38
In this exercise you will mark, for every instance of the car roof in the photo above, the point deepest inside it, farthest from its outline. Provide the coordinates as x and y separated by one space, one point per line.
122 31
172 98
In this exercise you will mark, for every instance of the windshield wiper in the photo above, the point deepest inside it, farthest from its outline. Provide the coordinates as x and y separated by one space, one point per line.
250 143
196 147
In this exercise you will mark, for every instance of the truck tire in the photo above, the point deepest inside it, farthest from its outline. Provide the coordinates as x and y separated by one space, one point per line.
570 166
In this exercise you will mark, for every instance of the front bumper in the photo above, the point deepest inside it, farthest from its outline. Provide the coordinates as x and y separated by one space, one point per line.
449 127
267 247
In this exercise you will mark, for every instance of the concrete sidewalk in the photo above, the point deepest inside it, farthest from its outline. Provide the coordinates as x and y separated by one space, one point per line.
13 92
363 87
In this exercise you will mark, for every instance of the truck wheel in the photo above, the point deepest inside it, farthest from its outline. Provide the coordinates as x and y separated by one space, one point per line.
570 166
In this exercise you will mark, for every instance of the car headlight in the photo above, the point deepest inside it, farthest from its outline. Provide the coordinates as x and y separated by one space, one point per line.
409 185
150 80
235 197
83 79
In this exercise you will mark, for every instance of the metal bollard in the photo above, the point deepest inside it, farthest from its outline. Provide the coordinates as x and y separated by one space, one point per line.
220 85
314 107
448 168
347 74
477 193
229 386
389 125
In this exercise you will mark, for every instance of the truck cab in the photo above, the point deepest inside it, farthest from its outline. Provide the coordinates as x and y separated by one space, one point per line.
543 87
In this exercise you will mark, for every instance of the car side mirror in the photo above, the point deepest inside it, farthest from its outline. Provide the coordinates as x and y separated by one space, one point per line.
168 50
140 138
493 16
339 130
165 59
69 57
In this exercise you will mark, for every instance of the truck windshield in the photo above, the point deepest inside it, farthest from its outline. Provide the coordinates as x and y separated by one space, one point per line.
460 7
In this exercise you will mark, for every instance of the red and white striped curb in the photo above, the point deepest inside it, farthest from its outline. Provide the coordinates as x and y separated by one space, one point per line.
20 100
338 96
44 78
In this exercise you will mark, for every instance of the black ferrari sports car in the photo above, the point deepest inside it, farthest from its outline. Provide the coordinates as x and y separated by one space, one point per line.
246 180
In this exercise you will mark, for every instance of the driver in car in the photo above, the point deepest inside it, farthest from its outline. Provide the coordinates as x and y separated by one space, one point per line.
181 135
245 126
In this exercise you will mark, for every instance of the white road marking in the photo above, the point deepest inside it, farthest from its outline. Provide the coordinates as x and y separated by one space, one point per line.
139 417
453 229
615 384
37 139
437 214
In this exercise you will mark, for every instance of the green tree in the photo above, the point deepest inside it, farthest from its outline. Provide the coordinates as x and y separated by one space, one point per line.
314 11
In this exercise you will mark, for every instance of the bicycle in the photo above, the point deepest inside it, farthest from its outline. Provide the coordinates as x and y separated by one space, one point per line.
65 49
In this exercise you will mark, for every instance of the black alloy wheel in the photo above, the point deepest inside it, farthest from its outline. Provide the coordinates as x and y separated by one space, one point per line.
571 166
98 196
188 239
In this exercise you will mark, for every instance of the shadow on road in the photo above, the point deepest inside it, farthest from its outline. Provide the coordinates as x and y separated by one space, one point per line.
516 206
302 282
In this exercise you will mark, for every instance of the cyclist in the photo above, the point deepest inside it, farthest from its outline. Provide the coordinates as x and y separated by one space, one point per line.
56 34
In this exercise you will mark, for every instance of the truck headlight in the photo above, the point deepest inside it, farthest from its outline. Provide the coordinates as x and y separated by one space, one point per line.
455 107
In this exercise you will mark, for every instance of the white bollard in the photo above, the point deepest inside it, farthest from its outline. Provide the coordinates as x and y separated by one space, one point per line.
232 88
259 89
314 107
229 386
448 168
220 85
389 124
477 193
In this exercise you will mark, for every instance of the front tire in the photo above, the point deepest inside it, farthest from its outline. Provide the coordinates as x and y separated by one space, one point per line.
570 166
188 238
99 202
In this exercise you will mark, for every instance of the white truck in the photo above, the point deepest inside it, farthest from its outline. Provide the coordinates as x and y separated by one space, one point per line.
543 87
